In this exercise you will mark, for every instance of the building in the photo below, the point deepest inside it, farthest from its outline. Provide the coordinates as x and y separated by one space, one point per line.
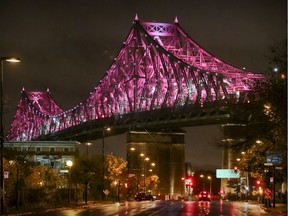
53 154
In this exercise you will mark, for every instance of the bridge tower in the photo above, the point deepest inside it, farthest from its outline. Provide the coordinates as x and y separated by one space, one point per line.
160 153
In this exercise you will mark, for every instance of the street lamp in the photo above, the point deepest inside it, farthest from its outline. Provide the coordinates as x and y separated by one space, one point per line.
87 148
202 176
2 60
146 159
69 163
210 179
103 159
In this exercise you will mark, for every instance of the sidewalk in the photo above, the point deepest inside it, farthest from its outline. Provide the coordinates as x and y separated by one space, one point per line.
280 209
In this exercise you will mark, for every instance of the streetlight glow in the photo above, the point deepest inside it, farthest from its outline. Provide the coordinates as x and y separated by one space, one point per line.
202 176
69 163
87 148
11 59
210 178
258 141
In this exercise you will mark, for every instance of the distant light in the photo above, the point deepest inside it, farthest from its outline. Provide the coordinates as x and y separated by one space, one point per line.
258 141
69 163
275 69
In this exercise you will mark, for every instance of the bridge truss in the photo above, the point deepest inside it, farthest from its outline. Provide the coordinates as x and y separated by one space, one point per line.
159 67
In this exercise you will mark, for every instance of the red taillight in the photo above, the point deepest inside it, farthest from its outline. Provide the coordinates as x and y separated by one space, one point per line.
200 195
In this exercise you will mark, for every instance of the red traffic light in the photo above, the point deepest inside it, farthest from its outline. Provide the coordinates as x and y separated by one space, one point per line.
189 181
235 169
258 182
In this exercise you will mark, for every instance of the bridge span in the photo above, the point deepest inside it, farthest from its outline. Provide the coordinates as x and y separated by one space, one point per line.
160 78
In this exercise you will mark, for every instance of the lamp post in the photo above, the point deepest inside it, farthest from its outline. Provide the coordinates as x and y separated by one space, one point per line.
87 148
146 159
2 60
69 163
202 176
210 179
103 159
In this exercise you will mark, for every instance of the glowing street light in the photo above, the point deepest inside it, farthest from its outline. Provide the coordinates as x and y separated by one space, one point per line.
2 60
146 159
209 177
203 182
69 163
87 148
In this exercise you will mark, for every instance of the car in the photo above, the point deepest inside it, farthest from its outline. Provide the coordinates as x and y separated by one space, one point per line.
143 196
204 196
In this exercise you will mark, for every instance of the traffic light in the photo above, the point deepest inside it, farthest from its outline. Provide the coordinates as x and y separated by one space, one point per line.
258 182
189 181
235 169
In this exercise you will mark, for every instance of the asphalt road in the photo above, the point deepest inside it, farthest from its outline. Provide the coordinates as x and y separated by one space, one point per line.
164 208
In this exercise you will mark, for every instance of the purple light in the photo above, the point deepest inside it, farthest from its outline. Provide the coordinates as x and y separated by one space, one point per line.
158 65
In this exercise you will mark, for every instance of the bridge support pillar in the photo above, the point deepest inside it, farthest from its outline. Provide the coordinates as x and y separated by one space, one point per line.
159 153
233 135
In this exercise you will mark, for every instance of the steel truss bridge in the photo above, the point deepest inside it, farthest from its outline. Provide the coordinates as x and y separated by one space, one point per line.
160 78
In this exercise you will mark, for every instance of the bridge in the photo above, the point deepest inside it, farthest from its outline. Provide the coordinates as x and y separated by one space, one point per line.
160 78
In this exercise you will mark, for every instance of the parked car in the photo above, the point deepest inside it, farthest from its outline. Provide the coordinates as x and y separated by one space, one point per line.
144 196
204 196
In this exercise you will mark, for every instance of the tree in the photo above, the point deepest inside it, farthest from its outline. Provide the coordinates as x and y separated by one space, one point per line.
44 181
86 171
267 128
115 168
19 167
116 171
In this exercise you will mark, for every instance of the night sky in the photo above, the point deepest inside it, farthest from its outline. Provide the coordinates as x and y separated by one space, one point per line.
67 45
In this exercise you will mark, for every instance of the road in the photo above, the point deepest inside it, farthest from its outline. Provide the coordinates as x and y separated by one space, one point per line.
164 208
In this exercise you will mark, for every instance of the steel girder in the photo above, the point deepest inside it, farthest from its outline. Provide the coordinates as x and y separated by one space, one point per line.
32 114
158 67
